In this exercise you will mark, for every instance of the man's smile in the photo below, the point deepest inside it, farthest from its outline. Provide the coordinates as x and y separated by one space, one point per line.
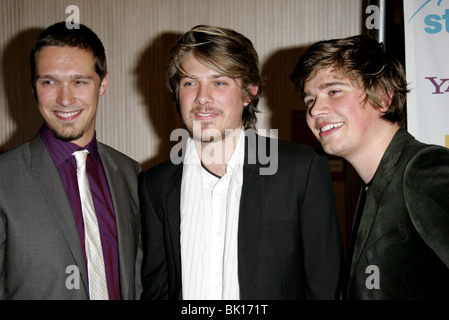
67 116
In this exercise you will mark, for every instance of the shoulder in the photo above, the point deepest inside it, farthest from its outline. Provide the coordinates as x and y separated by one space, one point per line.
163 175
161 171
20 156
426 189
17 152
426 180
289 151
286 148
120 159
285 158
159 180
16 167
426 158
294 148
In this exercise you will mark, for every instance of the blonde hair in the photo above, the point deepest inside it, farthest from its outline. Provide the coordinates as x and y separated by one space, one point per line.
225 51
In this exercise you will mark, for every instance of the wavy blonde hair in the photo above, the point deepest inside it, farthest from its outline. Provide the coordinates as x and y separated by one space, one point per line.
225 51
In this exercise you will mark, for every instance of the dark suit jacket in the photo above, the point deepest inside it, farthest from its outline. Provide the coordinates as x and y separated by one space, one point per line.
38 235
404 228
289 243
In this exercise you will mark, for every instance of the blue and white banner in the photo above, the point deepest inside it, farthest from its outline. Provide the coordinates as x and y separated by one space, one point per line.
427 67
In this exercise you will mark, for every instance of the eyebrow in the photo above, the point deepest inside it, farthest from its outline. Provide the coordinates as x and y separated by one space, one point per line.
326 85
74 77
214 76
331 84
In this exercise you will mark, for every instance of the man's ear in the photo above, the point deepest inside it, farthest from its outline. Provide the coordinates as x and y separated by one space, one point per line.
104 84
385 97
254 89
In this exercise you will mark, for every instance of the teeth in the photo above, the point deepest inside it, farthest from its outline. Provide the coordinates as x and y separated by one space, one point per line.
203 114
68 114
331 126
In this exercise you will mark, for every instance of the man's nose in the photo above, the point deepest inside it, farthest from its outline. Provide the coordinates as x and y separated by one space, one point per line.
65 95
319 108
204 95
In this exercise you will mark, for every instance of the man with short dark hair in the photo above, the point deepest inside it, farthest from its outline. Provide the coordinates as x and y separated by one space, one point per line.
69 211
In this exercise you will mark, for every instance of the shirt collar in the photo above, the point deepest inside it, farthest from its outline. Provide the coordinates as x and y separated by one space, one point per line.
60 150
238 156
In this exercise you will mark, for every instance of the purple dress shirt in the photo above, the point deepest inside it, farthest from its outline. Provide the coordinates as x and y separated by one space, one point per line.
61 152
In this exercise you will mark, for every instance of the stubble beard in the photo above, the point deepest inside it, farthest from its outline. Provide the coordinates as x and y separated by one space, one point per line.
204 131
67 133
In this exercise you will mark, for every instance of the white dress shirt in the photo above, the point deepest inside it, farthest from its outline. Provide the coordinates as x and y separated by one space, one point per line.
209 226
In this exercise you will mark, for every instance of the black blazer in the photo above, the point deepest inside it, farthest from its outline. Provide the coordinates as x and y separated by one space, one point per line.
404 228
289 244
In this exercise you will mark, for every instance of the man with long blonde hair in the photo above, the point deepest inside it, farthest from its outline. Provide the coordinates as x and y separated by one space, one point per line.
219 225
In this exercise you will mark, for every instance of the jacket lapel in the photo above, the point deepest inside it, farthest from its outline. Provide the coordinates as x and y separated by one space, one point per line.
123 217
374 195
47 178
174 225
250 219
252 204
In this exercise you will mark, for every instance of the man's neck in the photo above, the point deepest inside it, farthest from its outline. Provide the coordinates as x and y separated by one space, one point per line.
215 155
367 161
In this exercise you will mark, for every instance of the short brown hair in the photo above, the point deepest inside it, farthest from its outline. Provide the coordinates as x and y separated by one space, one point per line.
365 62
225 51
60 36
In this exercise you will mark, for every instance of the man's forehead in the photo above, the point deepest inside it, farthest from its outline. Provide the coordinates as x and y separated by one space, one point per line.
330 72
323 77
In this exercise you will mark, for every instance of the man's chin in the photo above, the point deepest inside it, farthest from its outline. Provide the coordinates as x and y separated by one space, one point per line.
206 136
67 136
204 132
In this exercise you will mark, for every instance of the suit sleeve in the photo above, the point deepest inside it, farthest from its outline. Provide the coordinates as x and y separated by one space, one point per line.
2 255
426 192
321 233
154 268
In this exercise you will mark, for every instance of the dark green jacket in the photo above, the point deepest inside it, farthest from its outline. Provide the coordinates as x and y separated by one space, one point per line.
403 238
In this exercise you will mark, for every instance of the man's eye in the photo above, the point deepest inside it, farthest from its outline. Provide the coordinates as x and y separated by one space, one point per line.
309 102
47 82
333 92
188 84
220 83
